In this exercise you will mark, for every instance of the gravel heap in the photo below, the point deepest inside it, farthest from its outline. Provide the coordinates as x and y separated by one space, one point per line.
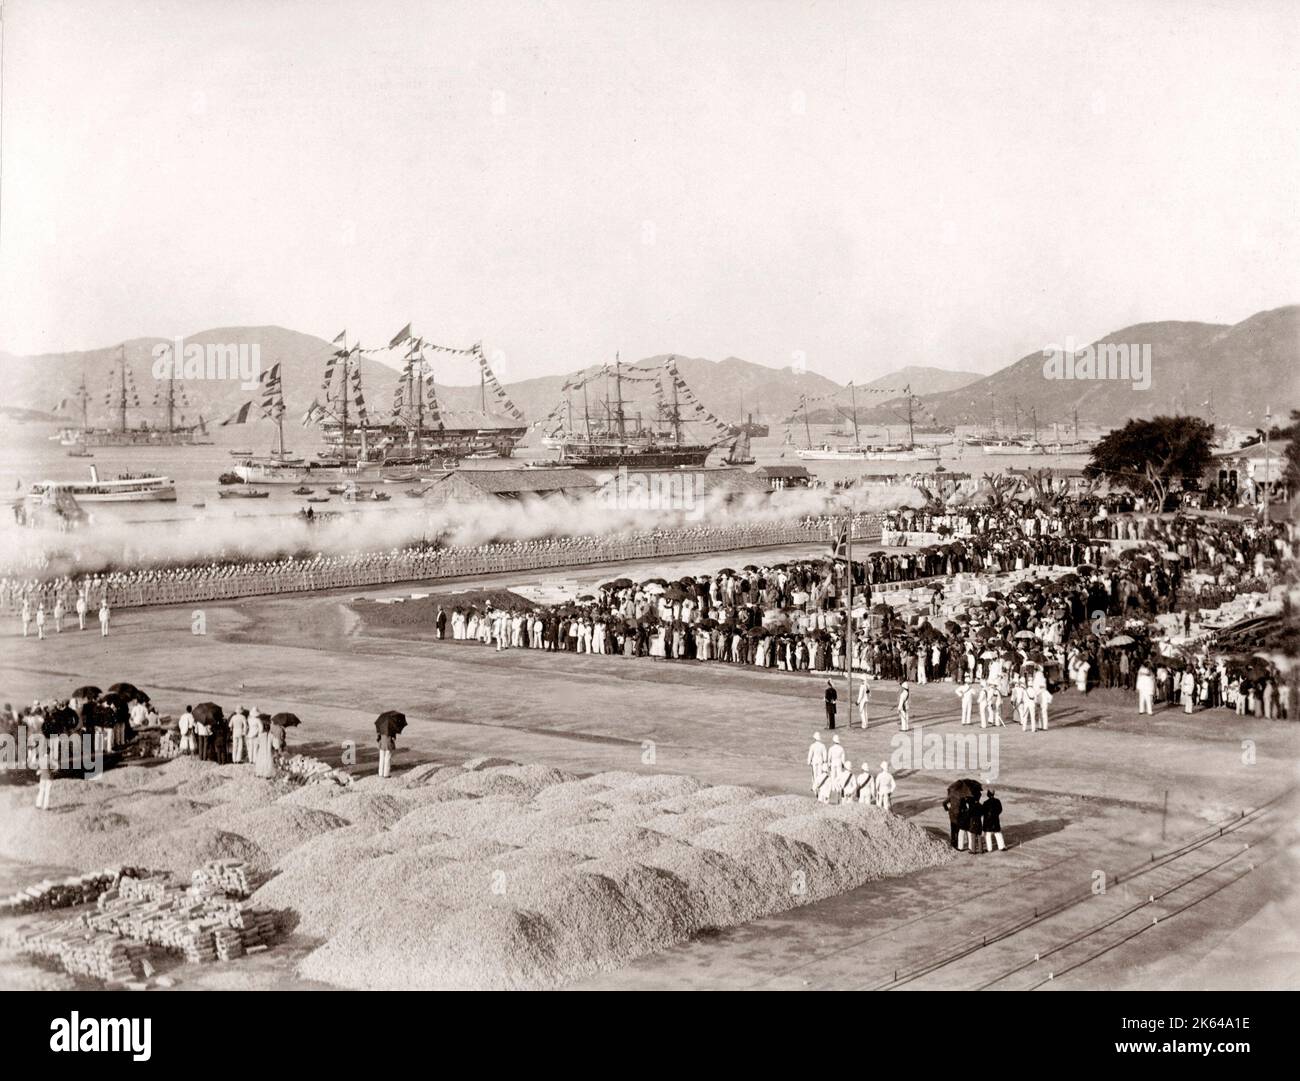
488 875
507 876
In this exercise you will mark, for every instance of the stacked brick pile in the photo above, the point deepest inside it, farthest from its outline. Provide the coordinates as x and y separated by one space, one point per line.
82 952
202 923
64 893
304 768
226 878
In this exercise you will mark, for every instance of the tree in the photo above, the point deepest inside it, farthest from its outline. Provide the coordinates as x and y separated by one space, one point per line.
1000 489
1154 456
1291 458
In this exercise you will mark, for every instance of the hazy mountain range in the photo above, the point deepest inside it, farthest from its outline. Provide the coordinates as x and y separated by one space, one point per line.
1229 372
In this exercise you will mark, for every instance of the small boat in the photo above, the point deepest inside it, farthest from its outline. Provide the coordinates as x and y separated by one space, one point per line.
79 452
336 489
198 506
245 493
318 499
400 478
379 497
303 490
413 493
230 478
240 453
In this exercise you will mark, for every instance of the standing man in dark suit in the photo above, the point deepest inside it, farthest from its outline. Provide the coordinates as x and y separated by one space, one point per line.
992 814
442 622
831 697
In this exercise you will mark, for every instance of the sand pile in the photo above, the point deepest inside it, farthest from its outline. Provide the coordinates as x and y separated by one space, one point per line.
504 890
494 874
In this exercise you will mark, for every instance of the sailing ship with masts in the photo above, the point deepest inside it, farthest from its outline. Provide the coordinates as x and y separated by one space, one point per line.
418 434
123 396
857 451
419 431
619 436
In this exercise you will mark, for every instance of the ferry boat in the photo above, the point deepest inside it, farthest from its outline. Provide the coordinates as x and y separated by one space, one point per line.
125 488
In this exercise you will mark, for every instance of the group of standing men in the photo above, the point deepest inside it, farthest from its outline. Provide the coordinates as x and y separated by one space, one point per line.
833 779
40 619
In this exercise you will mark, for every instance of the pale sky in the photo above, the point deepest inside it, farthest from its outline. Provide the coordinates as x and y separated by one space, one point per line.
864 184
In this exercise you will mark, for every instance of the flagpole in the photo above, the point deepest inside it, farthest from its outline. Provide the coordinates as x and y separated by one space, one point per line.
848 614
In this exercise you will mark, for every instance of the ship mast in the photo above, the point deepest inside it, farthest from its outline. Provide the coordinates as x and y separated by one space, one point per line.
911 437
121 402
807 430
84 395
853 394
586 411
343 413
677 413
618 396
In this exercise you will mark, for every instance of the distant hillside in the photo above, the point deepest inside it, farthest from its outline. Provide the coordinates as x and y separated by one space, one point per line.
1207 369
40 382
1232 371
889 389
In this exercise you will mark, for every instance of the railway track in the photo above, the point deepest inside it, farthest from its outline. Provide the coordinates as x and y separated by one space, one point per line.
1029 951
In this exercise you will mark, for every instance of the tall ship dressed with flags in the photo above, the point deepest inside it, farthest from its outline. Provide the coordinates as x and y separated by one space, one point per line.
417 434
121 399
611 432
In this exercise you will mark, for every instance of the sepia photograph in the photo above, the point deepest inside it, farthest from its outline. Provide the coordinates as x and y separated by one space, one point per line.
535 495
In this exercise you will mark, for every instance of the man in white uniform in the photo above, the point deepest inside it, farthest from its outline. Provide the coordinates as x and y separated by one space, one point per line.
966 692
818 759
103 618
885 785
1146 689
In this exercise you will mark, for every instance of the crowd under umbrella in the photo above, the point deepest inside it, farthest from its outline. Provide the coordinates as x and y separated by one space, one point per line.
208 713
390 723
128 691
59 722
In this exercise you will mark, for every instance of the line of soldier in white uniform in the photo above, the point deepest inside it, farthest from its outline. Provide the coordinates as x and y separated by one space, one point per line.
40 619
833 779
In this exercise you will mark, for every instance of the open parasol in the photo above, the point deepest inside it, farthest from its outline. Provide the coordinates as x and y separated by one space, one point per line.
208 713
128 691
286 720
390 722
88 691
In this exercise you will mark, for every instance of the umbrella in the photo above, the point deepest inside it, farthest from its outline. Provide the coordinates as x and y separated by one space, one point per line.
208 713
115 705
586 598
1026 634
652 588
128 691
390 722
966 788
1120 640
286 720
87 691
